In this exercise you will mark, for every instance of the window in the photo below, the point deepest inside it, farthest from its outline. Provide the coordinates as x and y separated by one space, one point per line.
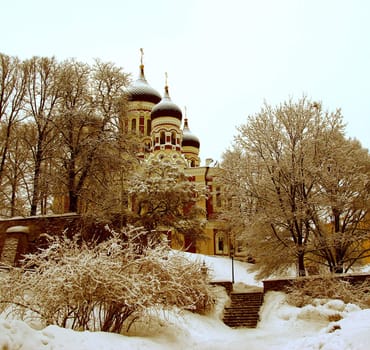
148 127
141 125
218 197
221 243
162 138
173 138
133 125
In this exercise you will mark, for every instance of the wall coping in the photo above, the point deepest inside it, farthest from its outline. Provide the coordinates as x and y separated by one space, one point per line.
280 284
36 217
18 229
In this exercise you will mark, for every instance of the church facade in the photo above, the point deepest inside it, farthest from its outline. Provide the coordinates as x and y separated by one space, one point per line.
166 136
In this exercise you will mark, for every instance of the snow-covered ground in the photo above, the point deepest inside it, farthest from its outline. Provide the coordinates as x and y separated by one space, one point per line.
281 327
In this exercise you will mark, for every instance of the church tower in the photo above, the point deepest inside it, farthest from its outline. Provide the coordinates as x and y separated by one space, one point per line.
166 133
166 137
190 146
141 100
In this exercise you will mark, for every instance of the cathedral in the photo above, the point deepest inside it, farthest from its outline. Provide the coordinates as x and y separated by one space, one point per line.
166 136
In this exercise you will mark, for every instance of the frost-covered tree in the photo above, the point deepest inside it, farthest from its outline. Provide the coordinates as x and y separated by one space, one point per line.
106 194
105 286
163 198
43 92
74 114
17 177
12 90
274 183
342 226
13 78
88 147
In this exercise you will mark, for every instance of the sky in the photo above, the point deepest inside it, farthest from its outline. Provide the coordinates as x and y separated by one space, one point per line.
224 59
281 326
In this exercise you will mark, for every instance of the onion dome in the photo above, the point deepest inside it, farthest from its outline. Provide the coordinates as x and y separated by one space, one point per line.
140 90
188 138
166 108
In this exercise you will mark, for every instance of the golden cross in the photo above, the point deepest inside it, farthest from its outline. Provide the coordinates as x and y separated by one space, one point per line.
142 55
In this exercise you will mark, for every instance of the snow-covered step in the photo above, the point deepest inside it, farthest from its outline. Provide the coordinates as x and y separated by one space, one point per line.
244 310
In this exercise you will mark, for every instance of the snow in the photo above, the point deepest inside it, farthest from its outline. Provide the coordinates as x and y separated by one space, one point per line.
282 326
16 229
221 269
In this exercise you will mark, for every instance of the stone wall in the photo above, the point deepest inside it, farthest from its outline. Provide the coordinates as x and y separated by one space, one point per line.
284 284
226 284
19 236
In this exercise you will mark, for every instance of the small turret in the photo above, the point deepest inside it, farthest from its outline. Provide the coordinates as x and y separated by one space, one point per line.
190 145
166 134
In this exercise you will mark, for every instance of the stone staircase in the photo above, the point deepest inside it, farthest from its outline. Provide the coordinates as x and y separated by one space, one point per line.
243 310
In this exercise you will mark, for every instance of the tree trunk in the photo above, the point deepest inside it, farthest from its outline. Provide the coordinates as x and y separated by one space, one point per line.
338 269
73 202
300 263
5 151
13 201
36 185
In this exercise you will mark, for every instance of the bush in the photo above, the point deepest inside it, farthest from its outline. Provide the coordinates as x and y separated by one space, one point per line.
99 286
304 291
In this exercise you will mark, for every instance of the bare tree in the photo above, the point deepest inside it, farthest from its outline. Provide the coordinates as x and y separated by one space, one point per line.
12 90
73 115
15 189
107 192
92 102
43 94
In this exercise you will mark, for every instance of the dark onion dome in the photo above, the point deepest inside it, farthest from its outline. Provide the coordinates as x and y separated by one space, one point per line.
140 90
188 138
166 108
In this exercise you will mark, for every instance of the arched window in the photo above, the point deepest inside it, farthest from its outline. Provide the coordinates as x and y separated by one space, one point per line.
173 138
133 125
148 127
162 140
221 243
141 125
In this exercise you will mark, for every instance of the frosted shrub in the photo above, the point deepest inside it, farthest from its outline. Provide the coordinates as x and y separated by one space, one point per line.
99 286
305 291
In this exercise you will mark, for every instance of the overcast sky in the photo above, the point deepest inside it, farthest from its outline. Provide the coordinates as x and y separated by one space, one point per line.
223 58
